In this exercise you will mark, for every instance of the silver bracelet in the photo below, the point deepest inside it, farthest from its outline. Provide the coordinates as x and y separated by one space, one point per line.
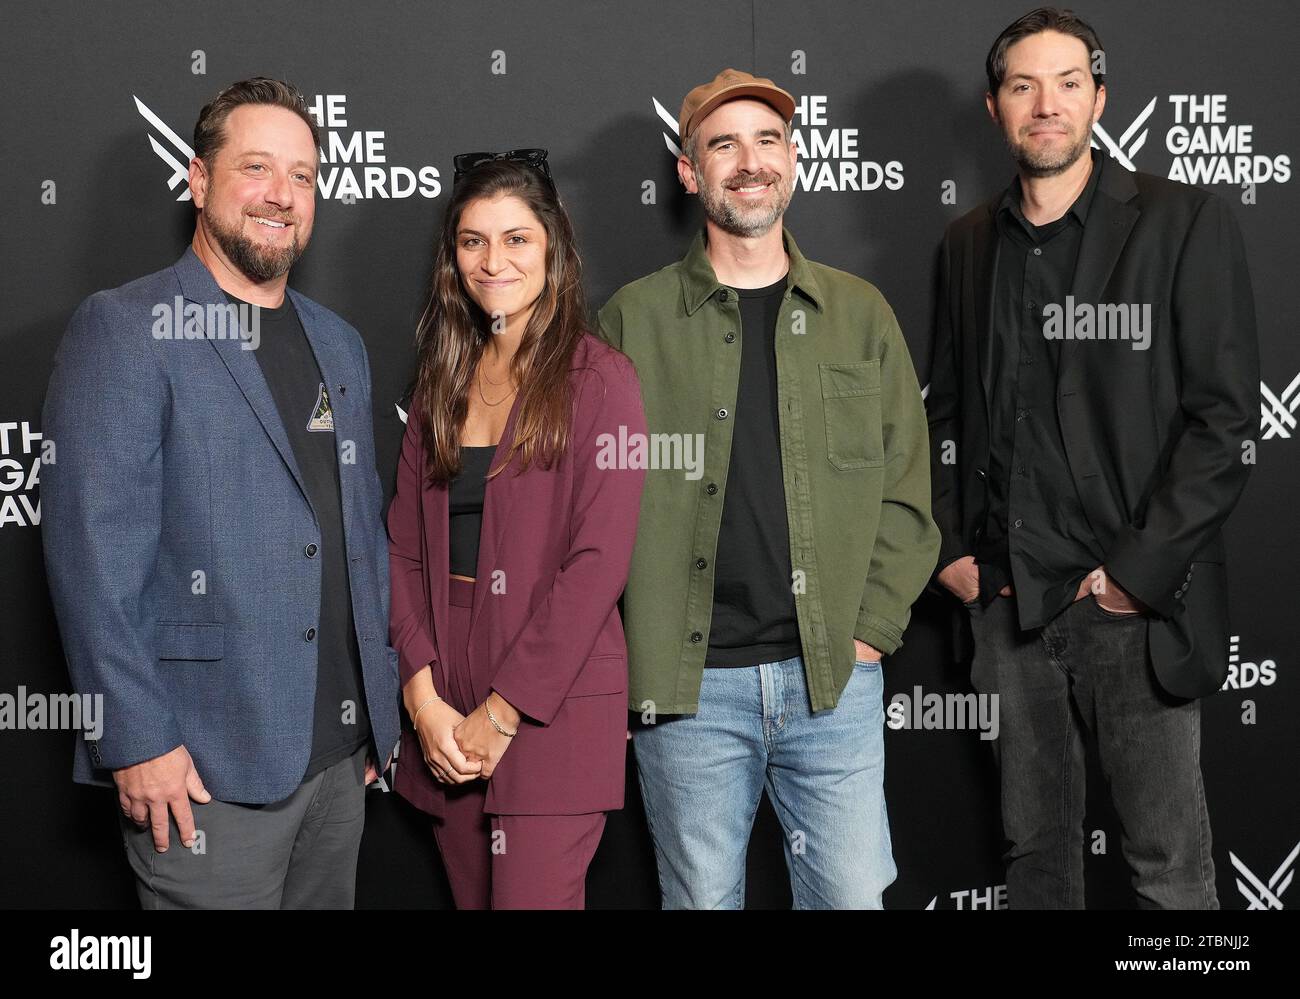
495 725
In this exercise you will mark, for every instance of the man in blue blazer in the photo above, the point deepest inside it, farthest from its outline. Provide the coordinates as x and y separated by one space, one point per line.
215 545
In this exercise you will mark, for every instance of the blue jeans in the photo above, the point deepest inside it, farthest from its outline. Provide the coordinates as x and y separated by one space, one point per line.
702 776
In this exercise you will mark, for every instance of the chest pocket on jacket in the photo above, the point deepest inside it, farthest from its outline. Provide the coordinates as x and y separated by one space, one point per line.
851 399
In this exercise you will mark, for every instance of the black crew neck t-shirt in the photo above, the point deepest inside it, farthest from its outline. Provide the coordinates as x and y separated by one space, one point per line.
753 597
340 724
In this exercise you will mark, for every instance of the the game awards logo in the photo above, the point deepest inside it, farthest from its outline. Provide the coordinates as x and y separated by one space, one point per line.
354 163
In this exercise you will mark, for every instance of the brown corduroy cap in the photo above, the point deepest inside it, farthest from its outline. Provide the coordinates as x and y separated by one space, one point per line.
727 86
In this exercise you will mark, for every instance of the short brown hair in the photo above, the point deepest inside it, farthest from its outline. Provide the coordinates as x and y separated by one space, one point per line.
210 129
1041 19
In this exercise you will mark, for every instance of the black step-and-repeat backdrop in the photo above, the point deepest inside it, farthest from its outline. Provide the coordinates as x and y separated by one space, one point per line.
98 110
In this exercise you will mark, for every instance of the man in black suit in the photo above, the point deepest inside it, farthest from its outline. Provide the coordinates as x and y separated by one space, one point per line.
1092 399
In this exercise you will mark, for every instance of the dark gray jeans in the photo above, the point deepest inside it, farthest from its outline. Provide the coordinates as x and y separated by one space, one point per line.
299 853
1087 674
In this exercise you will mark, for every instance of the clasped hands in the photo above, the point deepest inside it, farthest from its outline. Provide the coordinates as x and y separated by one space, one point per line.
459 748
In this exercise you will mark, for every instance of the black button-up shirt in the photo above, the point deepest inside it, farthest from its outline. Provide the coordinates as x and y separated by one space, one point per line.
1036 536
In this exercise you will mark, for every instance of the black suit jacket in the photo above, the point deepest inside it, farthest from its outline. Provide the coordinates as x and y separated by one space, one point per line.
1154 438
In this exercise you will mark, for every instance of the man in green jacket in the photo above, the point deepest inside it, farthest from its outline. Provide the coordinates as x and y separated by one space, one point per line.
785 528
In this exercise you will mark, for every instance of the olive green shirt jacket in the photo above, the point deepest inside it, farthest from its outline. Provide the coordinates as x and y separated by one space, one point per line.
854 457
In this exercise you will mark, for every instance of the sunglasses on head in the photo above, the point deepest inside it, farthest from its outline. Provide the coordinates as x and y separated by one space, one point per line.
535 158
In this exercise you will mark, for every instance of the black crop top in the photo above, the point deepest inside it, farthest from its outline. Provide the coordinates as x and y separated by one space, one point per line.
465 508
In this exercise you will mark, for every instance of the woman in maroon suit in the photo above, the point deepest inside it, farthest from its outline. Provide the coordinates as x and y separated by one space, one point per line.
510 539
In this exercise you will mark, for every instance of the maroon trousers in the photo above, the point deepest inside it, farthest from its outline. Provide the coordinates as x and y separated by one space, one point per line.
504 861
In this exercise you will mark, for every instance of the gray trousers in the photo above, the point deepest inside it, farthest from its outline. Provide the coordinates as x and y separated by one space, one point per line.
1087 675
299 853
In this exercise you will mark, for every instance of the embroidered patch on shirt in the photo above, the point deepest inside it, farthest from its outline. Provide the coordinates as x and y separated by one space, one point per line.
322 417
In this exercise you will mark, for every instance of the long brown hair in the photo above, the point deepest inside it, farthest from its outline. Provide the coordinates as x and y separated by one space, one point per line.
454 331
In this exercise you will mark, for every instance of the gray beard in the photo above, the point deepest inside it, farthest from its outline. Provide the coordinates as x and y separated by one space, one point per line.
730 219
256 262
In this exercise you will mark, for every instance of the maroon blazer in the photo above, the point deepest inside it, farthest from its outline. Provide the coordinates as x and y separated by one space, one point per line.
552 644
